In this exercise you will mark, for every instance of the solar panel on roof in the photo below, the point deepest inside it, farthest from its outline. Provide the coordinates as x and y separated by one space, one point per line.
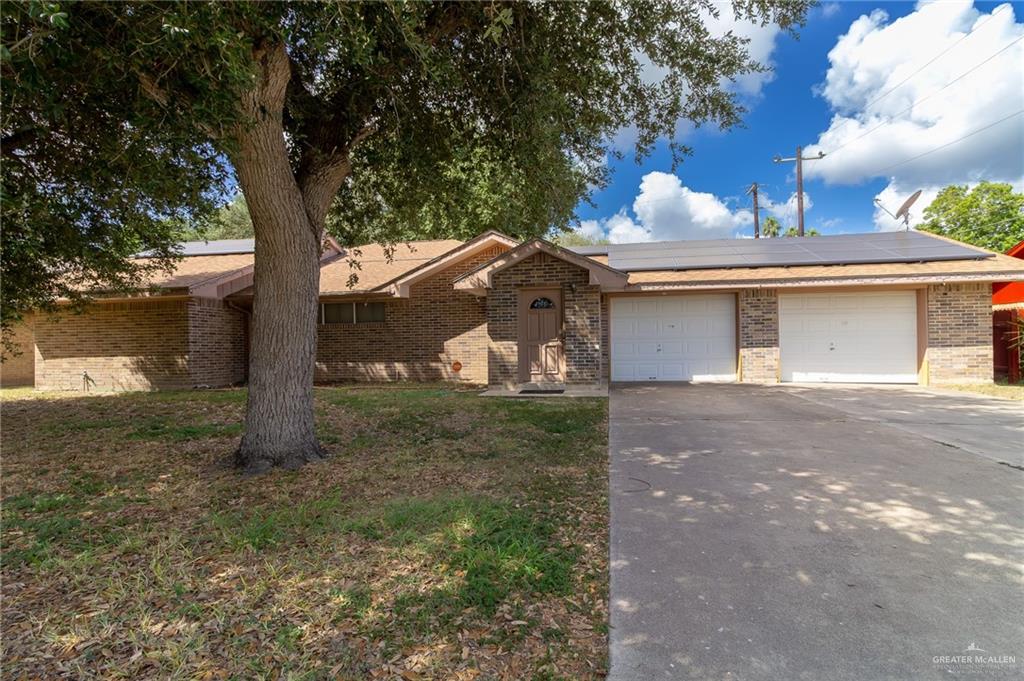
843 249
216 247
589 250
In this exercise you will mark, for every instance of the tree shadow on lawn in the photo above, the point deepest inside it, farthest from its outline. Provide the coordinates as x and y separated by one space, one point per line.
438 514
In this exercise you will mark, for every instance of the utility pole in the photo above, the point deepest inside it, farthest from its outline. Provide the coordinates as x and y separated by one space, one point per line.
799 158
753 192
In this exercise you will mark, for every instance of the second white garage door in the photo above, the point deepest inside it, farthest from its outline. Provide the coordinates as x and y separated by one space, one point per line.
674 338
866 337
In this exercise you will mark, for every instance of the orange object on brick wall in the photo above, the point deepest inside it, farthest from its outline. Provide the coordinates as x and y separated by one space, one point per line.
1007 359
1010 292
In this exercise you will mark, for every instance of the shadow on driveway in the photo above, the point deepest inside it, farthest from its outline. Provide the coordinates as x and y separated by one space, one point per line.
986 426
758 534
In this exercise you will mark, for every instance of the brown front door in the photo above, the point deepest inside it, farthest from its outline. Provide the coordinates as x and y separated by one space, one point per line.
541 355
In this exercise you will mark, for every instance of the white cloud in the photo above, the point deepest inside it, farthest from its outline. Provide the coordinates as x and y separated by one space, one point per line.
591 229
893 196
786 211
874 130
622 229
761 45
670 210
666 210
830 9
895 193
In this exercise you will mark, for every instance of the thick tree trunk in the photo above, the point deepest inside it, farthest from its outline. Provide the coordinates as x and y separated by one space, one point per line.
280 429
279 424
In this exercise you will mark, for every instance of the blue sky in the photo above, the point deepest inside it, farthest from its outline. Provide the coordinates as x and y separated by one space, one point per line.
885 113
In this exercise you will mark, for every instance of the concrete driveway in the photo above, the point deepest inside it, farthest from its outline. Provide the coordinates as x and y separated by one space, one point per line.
814 533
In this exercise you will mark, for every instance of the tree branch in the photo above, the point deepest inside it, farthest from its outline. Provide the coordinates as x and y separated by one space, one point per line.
321 181
11 143
159 96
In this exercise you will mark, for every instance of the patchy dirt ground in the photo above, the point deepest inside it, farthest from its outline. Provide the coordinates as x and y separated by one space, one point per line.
448 536
1007 391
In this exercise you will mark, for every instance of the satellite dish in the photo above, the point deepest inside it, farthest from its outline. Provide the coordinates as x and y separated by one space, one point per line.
904 211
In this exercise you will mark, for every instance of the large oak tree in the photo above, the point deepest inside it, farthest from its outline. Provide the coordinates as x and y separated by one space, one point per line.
396 119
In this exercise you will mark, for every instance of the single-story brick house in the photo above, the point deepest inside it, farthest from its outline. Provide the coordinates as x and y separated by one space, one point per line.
897 308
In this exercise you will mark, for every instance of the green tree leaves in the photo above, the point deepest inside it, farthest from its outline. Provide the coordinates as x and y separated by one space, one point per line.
231 221
771 227
991 215
119 120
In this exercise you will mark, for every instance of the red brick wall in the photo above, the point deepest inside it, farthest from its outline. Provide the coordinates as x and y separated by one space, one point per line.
138 345
18 366
217 341
582 318
420 338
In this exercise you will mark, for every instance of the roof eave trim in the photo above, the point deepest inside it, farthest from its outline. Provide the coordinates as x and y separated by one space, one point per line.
480 279
223 285
401 286
828 281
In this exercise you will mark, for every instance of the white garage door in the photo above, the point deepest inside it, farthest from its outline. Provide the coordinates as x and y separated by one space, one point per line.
674 338
849 337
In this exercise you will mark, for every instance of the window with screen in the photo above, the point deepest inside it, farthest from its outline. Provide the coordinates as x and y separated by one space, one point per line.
337 313
369 312
351 313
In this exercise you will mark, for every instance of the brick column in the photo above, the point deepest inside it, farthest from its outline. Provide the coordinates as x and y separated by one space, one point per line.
216 344
759 336
959 333
582 333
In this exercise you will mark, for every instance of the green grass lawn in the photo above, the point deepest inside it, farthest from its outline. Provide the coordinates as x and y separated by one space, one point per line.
447 536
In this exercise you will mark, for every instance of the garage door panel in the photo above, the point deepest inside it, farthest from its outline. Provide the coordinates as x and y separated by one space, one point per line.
674 338
849 337
671 371
695 327
624 372
621 326
721 327
646 369
626 351
671 328
725 306
669 307
648 308
644 327
673 349
646 349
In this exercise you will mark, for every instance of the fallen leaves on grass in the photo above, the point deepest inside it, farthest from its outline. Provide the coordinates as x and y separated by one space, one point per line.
448 536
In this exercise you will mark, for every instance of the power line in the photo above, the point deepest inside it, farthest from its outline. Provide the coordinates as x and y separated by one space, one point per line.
919 101
947 144
929 62
986 225
799 159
